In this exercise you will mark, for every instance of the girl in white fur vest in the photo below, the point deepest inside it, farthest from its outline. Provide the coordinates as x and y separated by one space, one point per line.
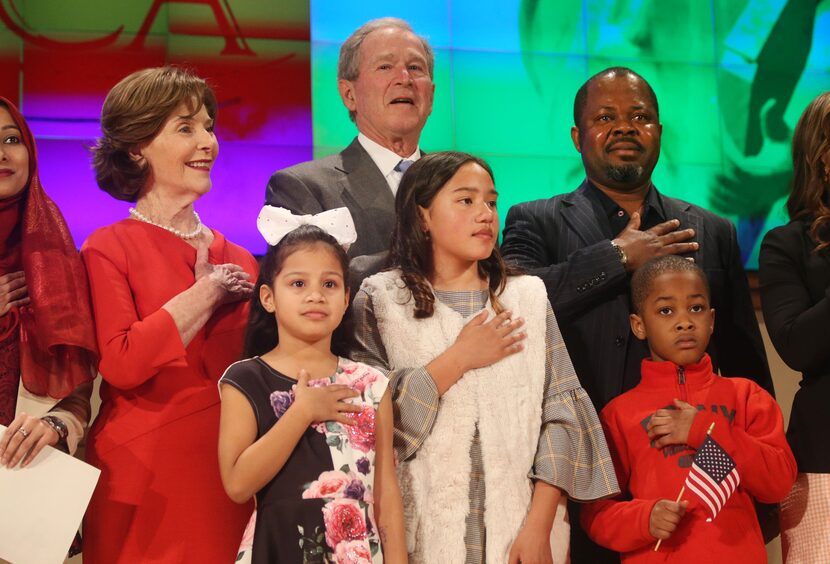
492 428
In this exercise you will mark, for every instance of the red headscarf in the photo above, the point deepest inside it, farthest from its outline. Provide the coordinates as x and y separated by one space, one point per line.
57 339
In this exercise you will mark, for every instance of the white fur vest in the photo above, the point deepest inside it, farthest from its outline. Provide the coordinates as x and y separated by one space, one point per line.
504 400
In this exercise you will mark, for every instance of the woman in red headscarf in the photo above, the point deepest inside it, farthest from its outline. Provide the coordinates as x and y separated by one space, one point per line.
47 341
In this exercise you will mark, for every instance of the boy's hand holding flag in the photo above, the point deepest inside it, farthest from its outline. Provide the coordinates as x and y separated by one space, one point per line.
713 477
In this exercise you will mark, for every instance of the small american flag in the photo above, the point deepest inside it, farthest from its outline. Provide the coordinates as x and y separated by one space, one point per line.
713 477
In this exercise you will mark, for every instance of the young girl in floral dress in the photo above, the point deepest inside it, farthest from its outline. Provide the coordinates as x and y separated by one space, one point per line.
309 433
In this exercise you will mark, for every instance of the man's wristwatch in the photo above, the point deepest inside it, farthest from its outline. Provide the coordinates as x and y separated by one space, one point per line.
620 253
60 428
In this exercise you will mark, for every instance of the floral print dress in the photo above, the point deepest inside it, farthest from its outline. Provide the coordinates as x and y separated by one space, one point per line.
318 508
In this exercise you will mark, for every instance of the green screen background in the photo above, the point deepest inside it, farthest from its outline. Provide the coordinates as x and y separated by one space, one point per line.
732 77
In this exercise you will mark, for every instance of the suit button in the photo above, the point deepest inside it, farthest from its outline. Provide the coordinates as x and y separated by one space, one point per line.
619 341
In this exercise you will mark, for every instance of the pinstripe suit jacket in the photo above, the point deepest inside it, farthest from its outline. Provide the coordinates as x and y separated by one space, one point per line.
559 240
348 179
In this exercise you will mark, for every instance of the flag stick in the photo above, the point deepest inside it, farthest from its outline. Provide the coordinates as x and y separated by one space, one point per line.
683 489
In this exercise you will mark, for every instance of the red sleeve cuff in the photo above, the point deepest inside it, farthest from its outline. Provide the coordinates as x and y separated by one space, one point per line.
164 339
700 425
645 519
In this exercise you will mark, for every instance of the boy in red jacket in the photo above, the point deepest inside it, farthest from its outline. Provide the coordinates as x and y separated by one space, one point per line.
654 430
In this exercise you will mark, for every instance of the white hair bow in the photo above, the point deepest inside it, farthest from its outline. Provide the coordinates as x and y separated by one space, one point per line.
275 223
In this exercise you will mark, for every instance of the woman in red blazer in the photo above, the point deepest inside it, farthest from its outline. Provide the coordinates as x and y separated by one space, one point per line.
169 300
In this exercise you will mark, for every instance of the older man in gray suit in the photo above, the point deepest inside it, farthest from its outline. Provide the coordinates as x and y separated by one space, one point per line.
384 76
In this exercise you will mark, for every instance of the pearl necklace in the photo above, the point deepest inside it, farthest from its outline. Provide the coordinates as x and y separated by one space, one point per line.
181 234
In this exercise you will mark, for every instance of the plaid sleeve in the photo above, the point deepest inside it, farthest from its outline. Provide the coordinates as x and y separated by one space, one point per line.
572 454
414 395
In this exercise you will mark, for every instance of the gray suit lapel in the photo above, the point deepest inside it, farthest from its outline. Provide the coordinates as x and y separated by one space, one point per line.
579 215
363 181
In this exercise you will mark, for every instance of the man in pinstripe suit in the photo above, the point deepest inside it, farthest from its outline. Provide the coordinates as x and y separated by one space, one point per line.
585 245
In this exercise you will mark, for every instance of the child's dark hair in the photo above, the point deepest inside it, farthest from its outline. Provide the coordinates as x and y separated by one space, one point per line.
411 250
261 334
644 277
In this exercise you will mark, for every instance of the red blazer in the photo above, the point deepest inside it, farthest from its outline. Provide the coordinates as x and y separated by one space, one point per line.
155 438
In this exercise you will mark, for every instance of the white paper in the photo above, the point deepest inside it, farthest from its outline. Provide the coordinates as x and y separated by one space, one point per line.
41 506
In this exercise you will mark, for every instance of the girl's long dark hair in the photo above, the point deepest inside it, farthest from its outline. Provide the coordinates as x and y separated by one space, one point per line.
811 154
411 250
262 335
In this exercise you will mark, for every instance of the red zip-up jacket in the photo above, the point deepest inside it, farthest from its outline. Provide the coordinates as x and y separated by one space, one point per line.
750 428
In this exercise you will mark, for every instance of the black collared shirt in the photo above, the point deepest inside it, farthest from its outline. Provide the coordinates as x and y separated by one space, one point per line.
612 219
605 207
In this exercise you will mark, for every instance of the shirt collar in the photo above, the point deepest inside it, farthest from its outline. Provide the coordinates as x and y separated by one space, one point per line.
665 374
610 208
385 159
